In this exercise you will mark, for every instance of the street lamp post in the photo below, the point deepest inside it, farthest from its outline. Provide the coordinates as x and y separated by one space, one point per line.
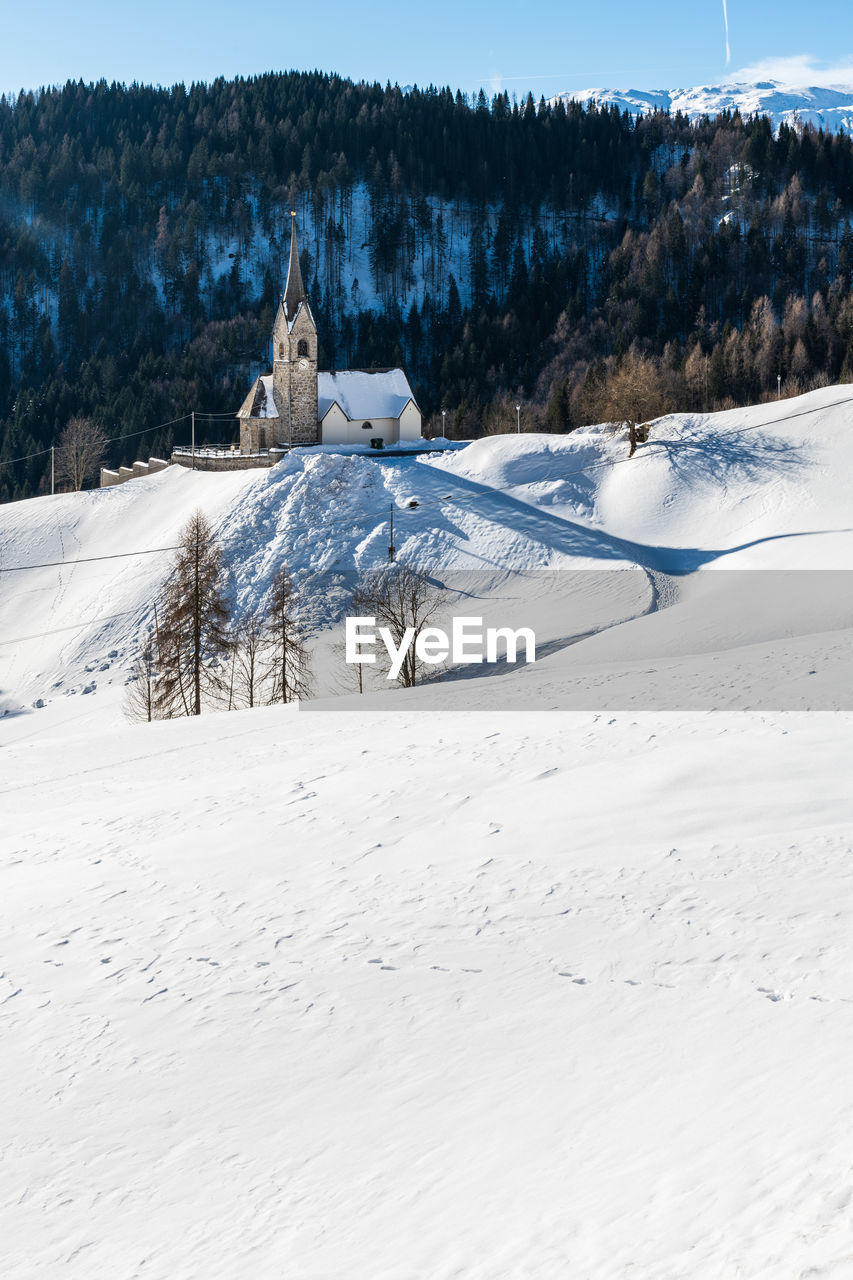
518 418
778 386
444 423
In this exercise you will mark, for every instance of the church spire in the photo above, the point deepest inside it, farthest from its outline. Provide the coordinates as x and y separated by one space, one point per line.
294 292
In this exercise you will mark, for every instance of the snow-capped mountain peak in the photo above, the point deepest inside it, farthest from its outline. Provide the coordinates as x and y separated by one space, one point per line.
829 108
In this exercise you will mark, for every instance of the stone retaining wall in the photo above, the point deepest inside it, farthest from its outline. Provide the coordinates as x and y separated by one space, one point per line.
223 460
110 478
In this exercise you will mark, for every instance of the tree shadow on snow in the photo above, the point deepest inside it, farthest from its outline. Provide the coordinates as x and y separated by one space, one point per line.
759 461
756 459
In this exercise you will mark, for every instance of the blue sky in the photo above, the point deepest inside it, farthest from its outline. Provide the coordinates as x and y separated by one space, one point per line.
545 47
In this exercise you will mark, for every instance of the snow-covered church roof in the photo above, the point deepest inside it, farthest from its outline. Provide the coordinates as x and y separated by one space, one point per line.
364 394
259 403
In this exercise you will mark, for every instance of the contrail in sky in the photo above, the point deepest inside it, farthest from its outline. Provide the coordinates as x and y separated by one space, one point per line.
726 20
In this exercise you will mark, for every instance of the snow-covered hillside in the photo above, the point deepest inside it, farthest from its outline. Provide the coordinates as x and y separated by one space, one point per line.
387 991
724 491
828 108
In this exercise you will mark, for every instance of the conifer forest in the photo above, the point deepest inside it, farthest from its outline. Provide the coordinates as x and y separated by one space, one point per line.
503 252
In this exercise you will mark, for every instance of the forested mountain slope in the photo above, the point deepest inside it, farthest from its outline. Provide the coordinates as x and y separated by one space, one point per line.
497 249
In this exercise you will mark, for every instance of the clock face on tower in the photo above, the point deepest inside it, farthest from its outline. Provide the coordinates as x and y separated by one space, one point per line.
303 364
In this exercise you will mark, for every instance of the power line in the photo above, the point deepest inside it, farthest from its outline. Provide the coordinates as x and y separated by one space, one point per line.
130 435
74 626
7 462
115 555
154 551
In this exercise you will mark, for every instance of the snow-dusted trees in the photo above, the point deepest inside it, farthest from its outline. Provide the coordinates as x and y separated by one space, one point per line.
80 452
192 636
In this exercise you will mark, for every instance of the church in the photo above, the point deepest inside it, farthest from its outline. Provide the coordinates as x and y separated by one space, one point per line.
296 405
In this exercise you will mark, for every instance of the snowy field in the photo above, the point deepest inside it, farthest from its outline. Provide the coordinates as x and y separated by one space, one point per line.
394 992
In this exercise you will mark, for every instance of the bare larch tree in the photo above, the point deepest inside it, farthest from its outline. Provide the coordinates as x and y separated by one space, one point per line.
632 393
192 634
140 702
81 451
247 667
399 597
284 645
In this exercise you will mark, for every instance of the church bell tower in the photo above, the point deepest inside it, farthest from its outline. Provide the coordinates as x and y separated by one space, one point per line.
294 338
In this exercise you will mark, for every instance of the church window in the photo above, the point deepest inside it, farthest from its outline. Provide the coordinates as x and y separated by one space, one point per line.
302 349
367 426
281 351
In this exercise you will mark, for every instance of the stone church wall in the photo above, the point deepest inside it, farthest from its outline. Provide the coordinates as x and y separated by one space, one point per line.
304 404
302 342
259 433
